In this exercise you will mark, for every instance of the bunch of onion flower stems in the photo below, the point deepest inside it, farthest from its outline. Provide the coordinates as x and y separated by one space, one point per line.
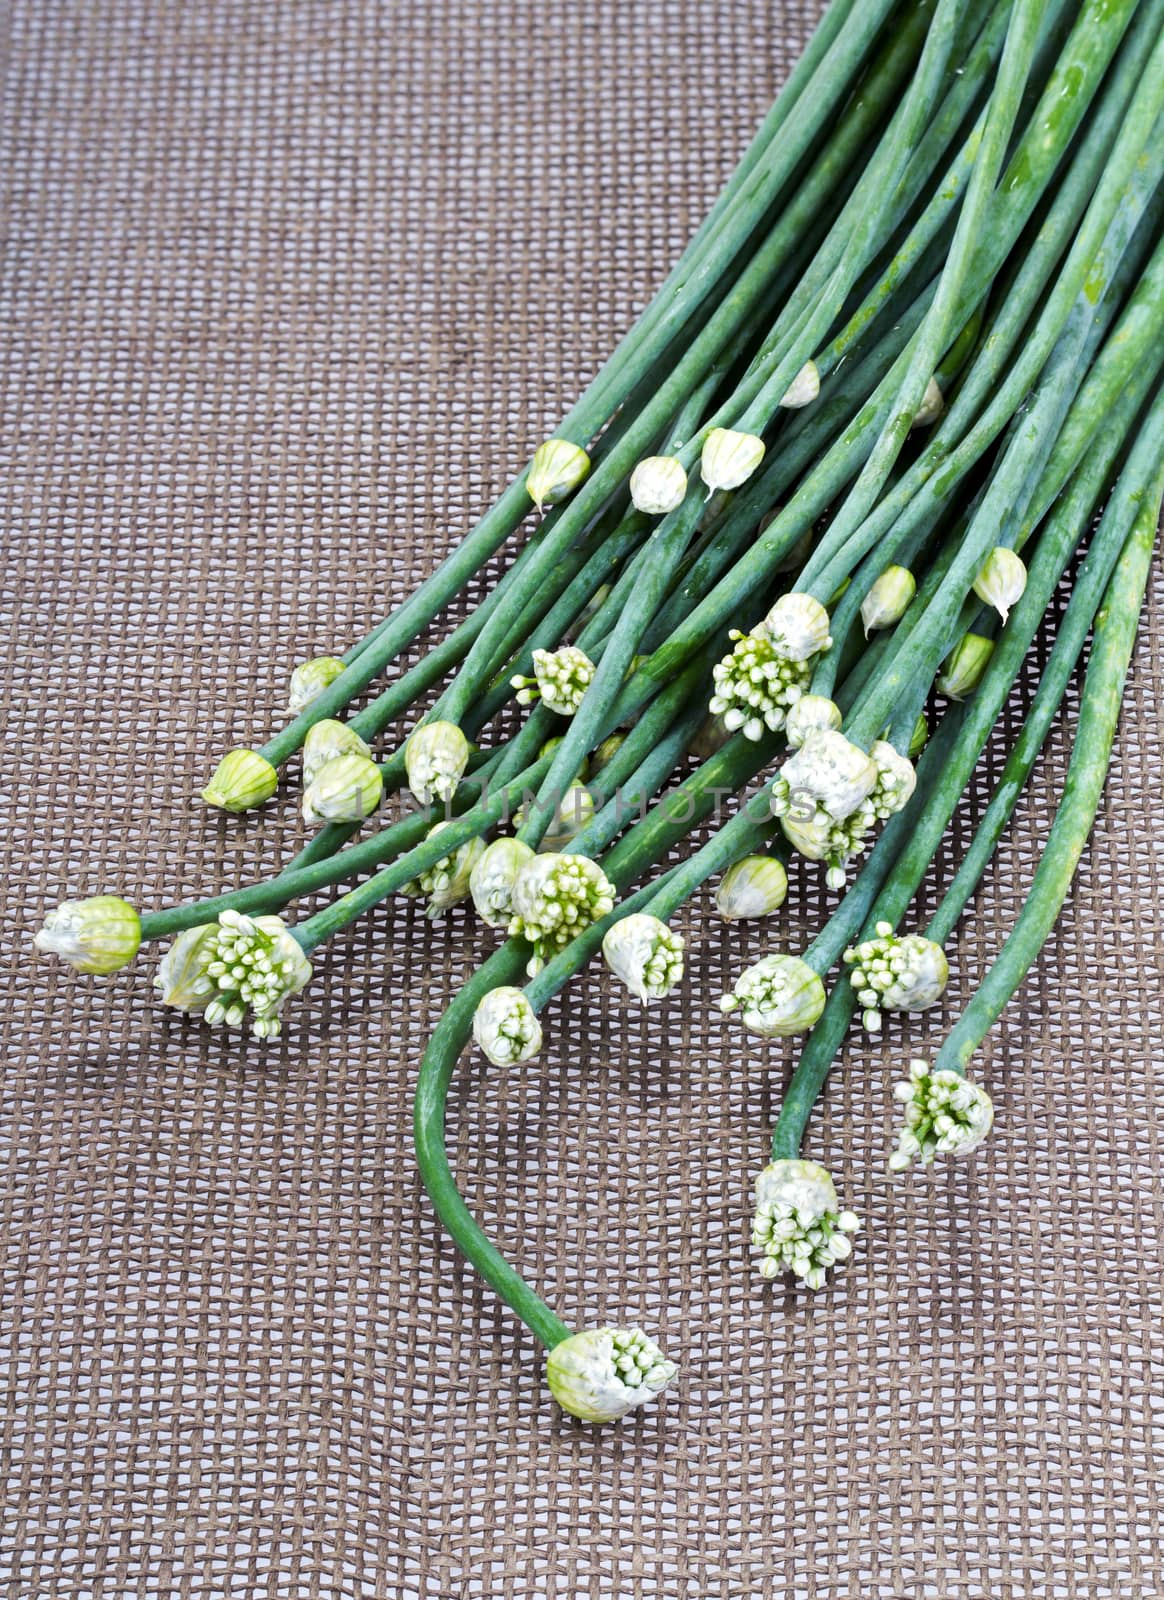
793 544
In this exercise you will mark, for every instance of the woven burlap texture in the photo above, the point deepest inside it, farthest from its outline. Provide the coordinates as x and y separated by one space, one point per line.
292 288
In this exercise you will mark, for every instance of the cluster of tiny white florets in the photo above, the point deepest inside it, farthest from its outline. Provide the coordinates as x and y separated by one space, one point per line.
602 1373
896 973
943 1114
446 882
776 996
755 686
236 966
506 1028
560 679
554 898
646 954
797 1223
830 797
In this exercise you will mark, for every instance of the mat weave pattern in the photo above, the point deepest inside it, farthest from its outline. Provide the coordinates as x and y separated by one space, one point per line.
292 287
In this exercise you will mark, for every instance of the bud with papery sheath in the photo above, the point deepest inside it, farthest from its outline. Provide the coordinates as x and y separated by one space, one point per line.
326 741
557 468
729 458
310 679
242 780
100 935
601 1374
348 789
658 485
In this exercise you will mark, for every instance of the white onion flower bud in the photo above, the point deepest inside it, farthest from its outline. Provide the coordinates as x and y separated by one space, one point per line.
932 405
99 935
658 485
448 881
506 1028
493 877
242 780
1002 581
561 679
810 711
729 458
554 898
889 973
779 996
799 626
326 741
646 954
944 1114
798 1223
888 600
896 781
310 679
755 685
964 666
603 1373
236 966
435 758
803 389
828 773
557 468
348 789
753 887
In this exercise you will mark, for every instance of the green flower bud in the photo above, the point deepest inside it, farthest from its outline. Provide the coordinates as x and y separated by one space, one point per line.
435 759
561 679
919 738
493 877
603 1373
810 711
803 389
646 954
964 666
943 1114
799 627
896 974
554 898
779 996
1002 580
811 838
658 485
798 1223
932 405
753 887
729 458
506 1028
888 600
182 980
557 468
310 679
232 967
326 742
606 752
551 747
348 789
242 780
828 773
100 935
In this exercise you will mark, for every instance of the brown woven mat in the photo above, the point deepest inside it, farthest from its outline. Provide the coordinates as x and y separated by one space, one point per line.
292 287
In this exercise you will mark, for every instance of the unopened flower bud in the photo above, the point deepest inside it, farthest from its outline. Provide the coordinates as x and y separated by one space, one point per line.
571 814
348 789
606 753
560 679
242 780
753 887
729 458
919 737
557 468
603 1373
435 759
964 666
932 405
326 741
99 935
646 954
828 773
506 1028
803 389
889 973
778 996
658 485
1002 580
447 881
550 748
799 626
710 737
810 711
493 877
896 780
798 1223
888 600
943 1113
310 679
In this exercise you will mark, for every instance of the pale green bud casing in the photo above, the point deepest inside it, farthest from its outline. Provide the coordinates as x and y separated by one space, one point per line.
932 405
99 935
506 1028
888 600
554 898
601 1374
803 389
943 1114
181 979
889 973
242 780
327 741
571 814
561 679
448 881
753 887
729 458
236 966
435 758
896 780
493 877
798 1224
557 468
920 737
551 746
964 666
646 954
798 626
778 996
1002 581
810 711
658 485
310 679
606 753
348 789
